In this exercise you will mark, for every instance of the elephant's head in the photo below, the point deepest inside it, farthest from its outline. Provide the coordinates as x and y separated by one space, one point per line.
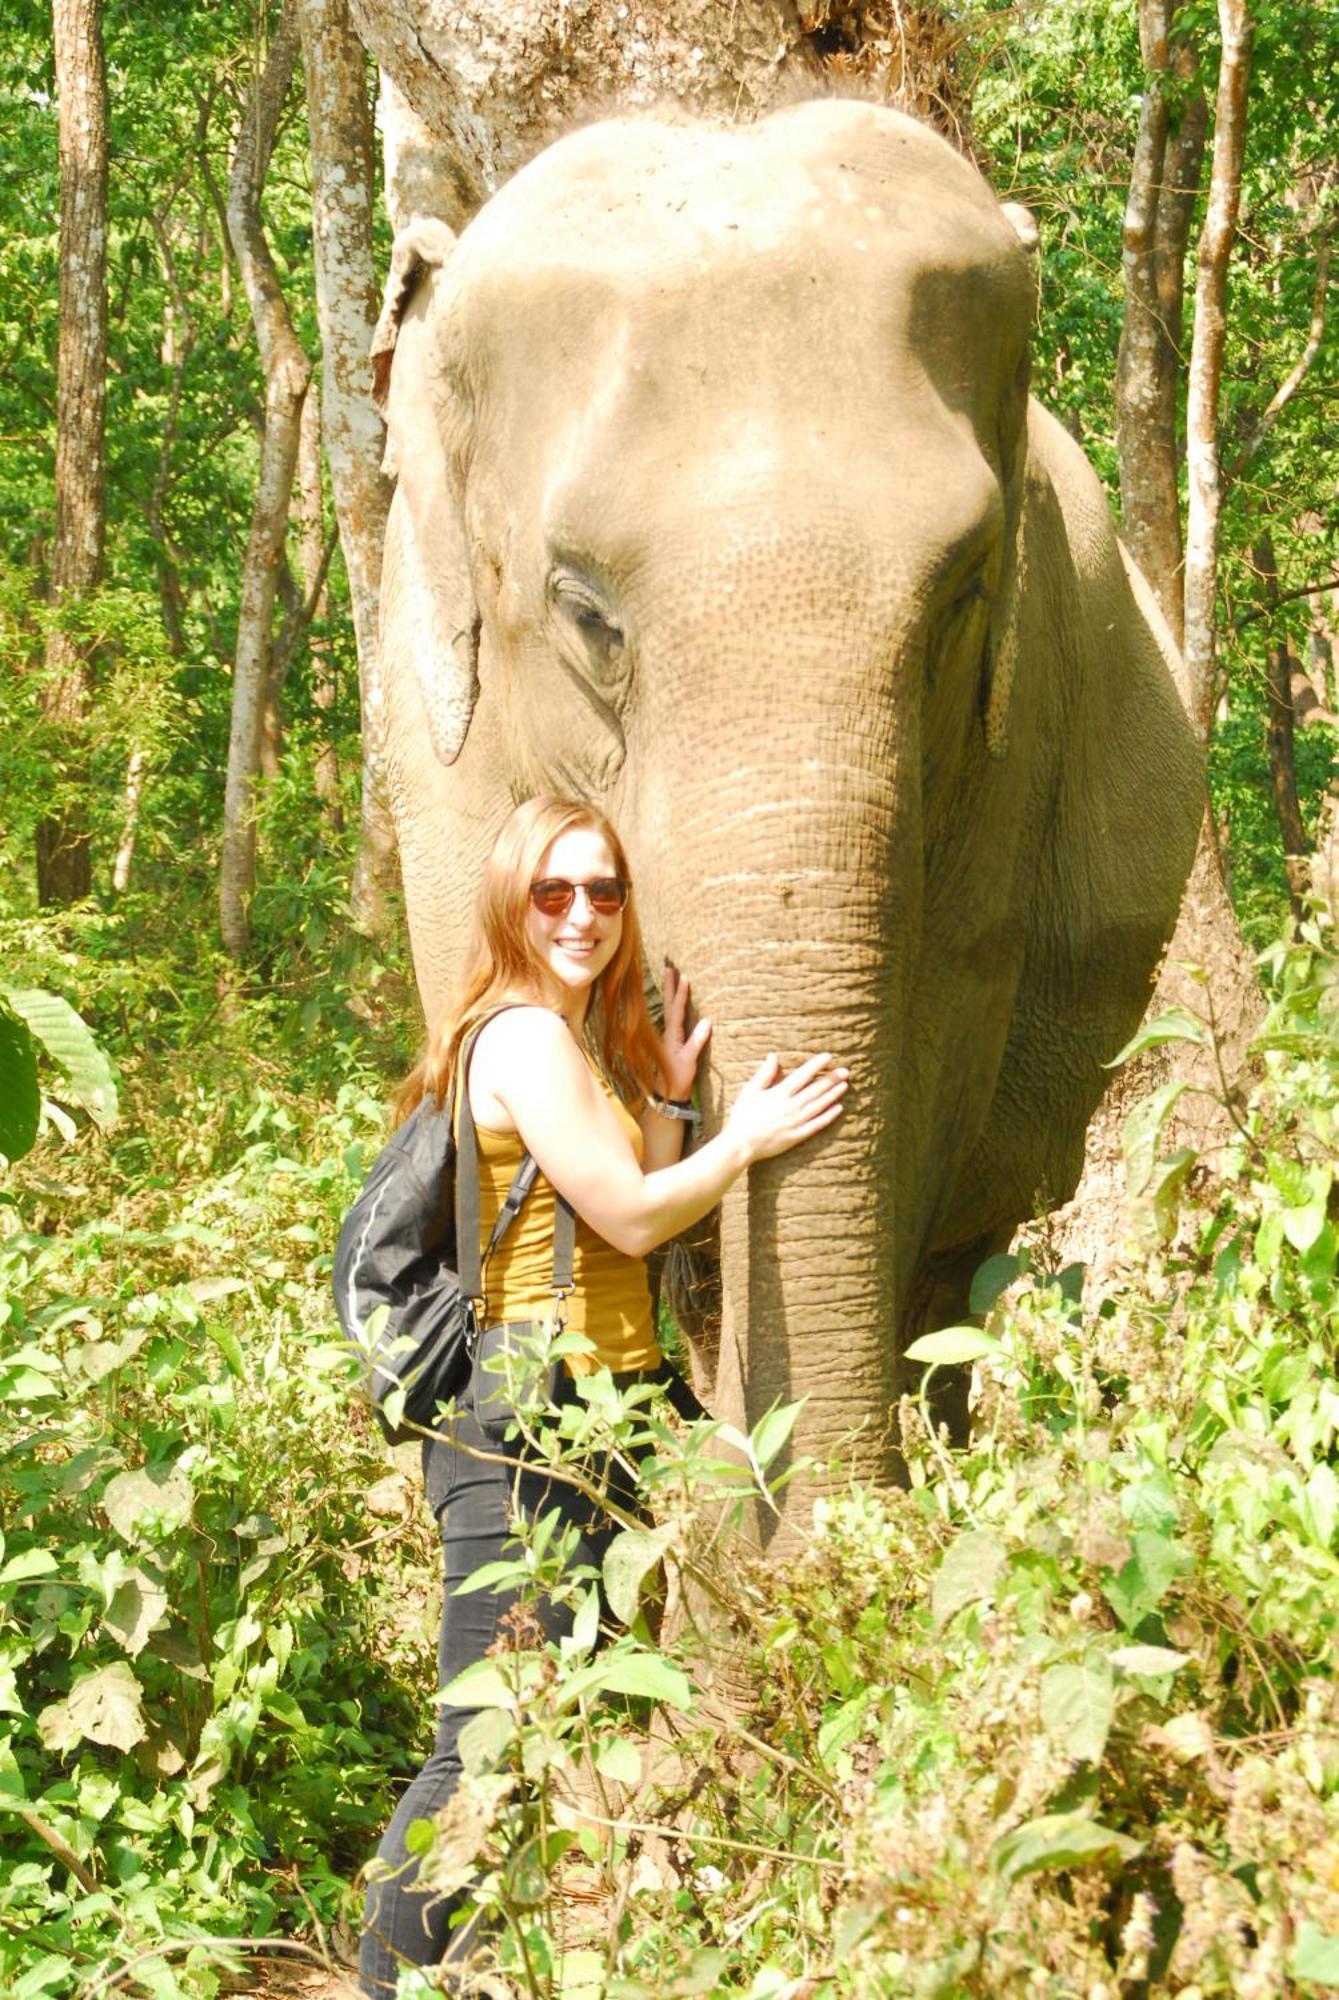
720 501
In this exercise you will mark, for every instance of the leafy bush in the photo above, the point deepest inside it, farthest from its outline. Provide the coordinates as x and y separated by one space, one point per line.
1060 1717
214 1639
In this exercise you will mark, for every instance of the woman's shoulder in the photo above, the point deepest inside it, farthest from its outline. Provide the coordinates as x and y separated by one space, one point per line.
522 1024
518 1036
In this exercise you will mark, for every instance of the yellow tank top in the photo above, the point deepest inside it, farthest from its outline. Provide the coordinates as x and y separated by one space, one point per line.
611 1299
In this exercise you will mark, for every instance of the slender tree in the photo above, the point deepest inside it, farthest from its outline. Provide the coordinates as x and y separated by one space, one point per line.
64 864
1164 182
287 374
343 165
1203 458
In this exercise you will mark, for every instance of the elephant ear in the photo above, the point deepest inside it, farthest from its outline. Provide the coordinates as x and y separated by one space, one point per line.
1012 457
1002 645
427 589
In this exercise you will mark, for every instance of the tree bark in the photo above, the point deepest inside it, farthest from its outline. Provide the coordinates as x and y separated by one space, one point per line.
320 661
1206 361
1164 180
1281 664
287 373
64 858
343 168
491 82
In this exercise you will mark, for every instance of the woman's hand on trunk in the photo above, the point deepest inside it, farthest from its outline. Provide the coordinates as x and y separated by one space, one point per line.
775 1110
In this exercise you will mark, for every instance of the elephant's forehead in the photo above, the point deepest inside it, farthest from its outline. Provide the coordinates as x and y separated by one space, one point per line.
624 200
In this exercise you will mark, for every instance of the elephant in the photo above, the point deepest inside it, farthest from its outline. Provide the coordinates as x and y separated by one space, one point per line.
722 501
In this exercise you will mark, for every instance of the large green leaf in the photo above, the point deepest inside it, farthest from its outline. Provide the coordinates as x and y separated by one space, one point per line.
1059 1840
968 1571
952 1345
1315 1955
1143 1134
1076 1706
628 1561
103 1706
1176 1025
20 1098
70 1045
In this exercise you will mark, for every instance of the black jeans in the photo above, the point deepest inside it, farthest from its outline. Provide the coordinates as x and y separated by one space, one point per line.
476 1501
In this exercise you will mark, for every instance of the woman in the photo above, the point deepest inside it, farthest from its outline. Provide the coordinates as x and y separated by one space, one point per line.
569 1068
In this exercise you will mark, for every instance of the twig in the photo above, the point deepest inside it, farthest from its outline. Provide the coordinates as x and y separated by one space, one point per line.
112 1980
661 1832
1296 375
1284 597
61 1848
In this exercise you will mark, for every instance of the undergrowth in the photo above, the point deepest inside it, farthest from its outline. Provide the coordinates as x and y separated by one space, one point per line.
1058 1718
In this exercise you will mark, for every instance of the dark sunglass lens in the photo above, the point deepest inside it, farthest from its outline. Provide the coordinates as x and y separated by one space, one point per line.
607 895
551 897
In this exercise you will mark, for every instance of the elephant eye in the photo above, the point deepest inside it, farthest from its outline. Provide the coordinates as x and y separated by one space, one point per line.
586 616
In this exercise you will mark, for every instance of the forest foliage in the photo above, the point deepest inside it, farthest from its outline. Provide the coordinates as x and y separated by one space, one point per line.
1059 1718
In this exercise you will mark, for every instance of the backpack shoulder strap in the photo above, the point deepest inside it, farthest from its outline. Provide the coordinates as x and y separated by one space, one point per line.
470 1257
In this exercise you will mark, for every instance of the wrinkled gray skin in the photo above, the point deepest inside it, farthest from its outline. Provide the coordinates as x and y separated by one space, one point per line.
721 501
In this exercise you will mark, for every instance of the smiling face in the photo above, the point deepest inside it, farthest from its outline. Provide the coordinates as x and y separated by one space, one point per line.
574 949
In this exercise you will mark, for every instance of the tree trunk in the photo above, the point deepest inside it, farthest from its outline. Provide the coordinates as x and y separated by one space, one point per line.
311 513
492 82
136 770
287 373
1164 180
1280 665
64 861
1206 362
343 166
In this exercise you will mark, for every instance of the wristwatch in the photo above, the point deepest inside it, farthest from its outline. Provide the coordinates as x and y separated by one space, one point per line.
681 1108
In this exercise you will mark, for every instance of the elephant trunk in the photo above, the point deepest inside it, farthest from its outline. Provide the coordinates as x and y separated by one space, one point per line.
810 1242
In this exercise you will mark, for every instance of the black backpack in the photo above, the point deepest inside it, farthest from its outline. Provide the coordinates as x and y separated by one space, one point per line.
408 1266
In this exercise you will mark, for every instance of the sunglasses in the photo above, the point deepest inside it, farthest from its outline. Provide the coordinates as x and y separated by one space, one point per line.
554 897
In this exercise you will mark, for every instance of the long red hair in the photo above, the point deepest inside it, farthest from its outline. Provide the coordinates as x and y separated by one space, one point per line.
502 964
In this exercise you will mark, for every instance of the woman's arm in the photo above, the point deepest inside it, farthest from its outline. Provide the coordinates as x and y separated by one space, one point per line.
527 1060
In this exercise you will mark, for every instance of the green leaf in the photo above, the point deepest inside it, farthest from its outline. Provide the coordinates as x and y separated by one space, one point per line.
1302 1226
50 1974
839 1730
483 1685
20 1096
28 1563
138 1607
853 1927
951 1345
1142 1583
628 1562
103 1706
150 1504
1322 1504
969 1570
1176 1025
1058 1840
1143 1134
1149 1661
649 1675
1315 1955
994 1276
619 1759
771 1432
1076 1707
486 1739
229 1346
66 1039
